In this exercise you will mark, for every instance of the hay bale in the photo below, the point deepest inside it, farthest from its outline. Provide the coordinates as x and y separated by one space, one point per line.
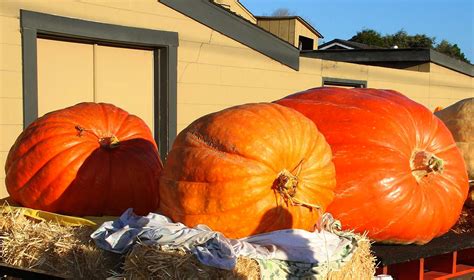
465 222
360 266
152 262
50 247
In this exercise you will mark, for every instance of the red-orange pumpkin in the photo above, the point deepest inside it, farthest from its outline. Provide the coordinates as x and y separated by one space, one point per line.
399 174
88 159
248 169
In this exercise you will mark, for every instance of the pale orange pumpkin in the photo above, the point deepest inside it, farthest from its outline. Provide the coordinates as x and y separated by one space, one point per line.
248 169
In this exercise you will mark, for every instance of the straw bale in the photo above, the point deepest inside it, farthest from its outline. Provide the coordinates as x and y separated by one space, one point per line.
50 247
465 222
152 262
360 266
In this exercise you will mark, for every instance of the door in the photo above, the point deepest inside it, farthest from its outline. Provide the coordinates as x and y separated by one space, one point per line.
71 72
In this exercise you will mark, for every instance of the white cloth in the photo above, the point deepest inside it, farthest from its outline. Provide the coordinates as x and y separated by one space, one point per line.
213 248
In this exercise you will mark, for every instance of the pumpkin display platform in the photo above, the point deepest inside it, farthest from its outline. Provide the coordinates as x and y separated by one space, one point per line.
449 255
42 247
45 249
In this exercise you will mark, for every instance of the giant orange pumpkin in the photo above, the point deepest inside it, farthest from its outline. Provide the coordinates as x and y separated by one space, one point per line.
399 174
248 169
88 159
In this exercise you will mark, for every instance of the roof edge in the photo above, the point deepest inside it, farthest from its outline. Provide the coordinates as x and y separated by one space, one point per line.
302 20
393 55
216 17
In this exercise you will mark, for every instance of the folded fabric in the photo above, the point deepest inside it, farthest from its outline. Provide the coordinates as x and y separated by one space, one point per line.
214 249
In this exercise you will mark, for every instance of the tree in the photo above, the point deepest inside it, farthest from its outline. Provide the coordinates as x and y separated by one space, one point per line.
451 50
369 37
282 12
402 39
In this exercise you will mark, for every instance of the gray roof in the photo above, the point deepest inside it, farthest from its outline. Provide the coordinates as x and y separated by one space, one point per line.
393 57
304 22
349 44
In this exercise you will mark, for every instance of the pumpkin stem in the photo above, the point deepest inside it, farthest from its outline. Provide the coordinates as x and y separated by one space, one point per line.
423 163
286 185
105 142
109 142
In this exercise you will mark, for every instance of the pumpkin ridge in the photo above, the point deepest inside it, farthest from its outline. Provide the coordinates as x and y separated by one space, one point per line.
265 187
454 185
368 202
119 126
230 210
105 117
139 157
19 156
395 104
41 198
435 125
400 215
282 121
47 162
445 149
234 153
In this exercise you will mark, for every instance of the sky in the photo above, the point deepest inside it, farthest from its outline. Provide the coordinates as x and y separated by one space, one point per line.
452 20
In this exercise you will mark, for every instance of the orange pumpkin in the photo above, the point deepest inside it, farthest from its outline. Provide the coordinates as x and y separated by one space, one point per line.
248 169
88 159
400 176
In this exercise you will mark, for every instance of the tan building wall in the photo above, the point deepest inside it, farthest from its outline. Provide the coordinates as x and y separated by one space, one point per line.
288 30
283 29
214 72
301 29
236 7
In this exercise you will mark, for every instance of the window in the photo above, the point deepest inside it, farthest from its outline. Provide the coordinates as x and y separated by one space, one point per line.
100 44
305 43
345 83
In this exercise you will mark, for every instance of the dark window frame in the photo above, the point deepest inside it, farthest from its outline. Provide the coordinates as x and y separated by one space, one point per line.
304 42
327 81
165 59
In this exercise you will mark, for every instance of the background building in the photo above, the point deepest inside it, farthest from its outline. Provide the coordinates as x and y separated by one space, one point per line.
170 62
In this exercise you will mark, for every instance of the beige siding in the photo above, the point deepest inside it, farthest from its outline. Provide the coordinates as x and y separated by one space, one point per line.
301 29
214 72
64 79
124 77
291 34
284 31
236 7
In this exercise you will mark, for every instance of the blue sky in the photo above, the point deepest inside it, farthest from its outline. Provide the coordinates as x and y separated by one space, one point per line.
452 20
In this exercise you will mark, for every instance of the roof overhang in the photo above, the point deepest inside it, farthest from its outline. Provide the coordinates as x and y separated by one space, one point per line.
335 44
241 30
370 56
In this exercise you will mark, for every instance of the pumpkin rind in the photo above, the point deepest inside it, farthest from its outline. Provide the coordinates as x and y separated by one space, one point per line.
375 135
65 162
222 168
459 118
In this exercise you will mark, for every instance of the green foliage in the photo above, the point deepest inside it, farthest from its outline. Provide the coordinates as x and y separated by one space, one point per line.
402 39
451 50
369 37
282 12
